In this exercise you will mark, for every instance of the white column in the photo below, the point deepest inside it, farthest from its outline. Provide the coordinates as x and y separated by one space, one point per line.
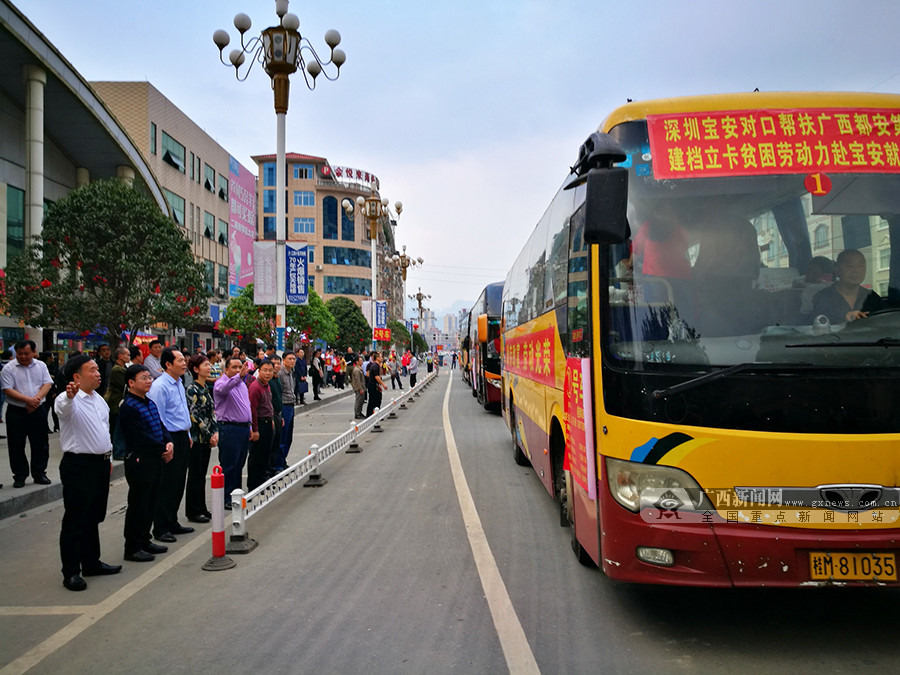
126 175
82 177
35 80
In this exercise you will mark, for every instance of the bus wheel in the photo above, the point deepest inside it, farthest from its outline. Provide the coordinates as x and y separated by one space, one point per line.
518 455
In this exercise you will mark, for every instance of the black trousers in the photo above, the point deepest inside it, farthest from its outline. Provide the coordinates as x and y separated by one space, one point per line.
142 472
85 481
275 460
258 459
171 485
374 401
31 426
195 492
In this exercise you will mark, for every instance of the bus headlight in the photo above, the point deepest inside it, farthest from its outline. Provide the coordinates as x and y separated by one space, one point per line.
636 485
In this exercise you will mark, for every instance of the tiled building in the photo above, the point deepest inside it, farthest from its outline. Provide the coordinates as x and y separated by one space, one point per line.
196 174
340 258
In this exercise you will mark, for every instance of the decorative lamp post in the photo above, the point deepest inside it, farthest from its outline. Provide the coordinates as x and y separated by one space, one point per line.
373 209
419 297
403 262
282 51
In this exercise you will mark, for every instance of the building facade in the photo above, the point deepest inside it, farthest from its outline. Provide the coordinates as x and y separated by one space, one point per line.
339 246
198 177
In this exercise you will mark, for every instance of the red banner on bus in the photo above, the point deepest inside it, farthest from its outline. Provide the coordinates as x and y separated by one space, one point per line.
579 458
532 356
760 142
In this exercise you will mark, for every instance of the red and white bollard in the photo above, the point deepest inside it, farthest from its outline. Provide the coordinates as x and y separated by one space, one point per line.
219 561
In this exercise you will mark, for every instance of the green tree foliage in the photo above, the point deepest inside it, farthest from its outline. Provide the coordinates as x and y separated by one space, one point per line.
399 335
108 258
305 323
353 329
419 344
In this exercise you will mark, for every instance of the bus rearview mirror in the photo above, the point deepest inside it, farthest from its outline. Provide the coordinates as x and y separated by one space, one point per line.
483 328
605 204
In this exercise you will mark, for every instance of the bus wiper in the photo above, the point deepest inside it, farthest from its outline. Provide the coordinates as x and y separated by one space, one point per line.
719 375
882 342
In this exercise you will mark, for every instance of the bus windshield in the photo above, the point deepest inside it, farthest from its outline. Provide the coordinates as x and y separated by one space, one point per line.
789 269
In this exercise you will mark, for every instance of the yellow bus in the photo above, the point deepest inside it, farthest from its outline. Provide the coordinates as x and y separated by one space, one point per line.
701 342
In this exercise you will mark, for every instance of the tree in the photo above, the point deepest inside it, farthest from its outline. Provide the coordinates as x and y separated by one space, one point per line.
109 260
399 335
353 329
419 344
305 323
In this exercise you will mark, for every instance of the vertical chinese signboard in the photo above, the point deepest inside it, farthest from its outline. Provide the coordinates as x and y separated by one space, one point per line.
264 273
296 281
380 314
580 458
242 229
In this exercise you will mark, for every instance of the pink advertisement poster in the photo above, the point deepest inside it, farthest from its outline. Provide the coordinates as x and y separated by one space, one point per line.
242 230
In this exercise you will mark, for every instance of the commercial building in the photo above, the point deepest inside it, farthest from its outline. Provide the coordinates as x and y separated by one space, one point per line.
211 195
340 256
55 135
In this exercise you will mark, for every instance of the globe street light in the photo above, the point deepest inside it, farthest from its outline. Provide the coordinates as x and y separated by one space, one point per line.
373 209
282 51
403 262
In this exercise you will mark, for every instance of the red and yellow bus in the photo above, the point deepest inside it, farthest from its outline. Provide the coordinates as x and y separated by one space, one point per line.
701 342
484 352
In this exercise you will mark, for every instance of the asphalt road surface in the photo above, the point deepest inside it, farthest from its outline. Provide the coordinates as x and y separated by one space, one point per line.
429 552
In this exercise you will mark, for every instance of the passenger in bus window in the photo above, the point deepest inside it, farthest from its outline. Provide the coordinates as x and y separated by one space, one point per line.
846 299
819 275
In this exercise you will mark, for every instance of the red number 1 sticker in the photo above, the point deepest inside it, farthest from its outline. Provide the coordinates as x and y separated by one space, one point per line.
817 184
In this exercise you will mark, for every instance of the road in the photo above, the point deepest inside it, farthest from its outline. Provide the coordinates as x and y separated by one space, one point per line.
390 569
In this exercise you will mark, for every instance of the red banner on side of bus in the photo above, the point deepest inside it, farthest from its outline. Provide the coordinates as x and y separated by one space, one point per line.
761 142
532 356
579 459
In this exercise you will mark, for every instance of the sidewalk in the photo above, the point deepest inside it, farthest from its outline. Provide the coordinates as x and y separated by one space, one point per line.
15 501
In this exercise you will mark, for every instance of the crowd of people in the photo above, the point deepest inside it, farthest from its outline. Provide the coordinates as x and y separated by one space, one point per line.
162 413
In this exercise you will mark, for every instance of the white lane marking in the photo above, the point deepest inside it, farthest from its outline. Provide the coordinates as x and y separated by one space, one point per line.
92 614
44 611
519 657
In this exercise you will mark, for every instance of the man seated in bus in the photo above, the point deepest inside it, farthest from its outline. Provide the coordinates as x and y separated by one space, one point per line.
847 299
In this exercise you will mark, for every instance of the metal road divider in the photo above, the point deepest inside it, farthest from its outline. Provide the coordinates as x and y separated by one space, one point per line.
245 505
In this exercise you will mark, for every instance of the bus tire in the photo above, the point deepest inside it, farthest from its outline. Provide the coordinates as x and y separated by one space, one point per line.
518 455
581 555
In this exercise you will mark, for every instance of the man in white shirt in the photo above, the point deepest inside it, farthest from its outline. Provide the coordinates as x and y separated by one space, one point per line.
26 383
152 359
84 472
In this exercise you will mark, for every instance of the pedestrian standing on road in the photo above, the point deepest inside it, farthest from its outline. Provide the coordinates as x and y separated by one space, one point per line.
232 408
113 397
26 382
358 382
376 384
170 398
152 359
301 372
147 447
215 367
204 437
413 370
105 364
135 356
289 399
394 369
84 472
261 425
318 374
277 420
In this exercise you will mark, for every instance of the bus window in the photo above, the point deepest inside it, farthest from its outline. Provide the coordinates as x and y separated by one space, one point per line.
579 313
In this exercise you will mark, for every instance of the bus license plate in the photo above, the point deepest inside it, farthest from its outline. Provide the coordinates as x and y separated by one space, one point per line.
852 566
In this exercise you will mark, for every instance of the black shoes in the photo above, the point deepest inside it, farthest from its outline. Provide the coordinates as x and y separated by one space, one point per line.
141 556
42 480
180 529
199 519
75 583
17 483
166 537
101 569
150 547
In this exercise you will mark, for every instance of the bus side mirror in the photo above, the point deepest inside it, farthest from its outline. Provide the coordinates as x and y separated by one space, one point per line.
483 328
605 205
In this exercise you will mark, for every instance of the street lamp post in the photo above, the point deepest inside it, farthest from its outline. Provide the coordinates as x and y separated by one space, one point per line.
403 262
282 51
419 297
373 209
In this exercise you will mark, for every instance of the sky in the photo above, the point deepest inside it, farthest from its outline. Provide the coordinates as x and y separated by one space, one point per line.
471 112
